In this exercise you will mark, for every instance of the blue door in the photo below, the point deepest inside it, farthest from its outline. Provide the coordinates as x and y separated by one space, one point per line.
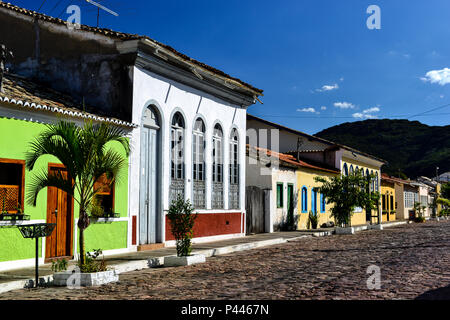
314 202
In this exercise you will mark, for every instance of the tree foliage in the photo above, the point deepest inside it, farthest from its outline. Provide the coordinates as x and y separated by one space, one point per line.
85 155
445 190
182 220
347 193
410 147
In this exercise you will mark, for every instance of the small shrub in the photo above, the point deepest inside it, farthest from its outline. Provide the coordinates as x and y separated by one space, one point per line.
59 265
91 264
419 219
313 220
96 210
182 220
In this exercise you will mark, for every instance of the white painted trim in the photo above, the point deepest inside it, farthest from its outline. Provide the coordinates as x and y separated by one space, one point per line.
101 220
172 243
19 223
20 264
213 211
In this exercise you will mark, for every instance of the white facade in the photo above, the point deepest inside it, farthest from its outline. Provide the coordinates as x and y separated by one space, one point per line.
168 97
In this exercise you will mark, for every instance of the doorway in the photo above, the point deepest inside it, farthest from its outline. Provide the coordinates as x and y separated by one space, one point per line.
59 211
149 218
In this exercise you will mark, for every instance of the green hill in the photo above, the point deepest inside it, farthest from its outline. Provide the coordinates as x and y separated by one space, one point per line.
410 147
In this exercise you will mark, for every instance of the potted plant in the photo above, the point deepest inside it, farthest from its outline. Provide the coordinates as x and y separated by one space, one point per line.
182 217
93 272
313 220
419 212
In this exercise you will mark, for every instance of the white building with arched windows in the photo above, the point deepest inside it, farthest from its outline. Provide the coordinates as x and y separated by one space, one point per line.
190 142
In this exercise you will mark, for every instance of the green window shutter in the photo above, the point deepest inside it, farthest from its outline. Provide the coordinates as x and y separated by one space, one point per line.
279 195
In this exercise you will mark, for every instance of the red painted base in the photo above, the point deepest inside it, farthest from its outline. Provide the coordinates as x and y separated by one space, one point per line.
213 224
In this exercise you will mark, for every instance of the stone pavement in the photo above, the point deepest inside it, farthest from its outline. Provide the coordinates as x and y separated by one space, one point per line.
20 278
413 260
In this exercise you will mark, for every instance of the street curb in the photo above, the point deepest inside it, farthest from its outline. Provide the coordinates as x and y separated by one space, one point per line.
136 265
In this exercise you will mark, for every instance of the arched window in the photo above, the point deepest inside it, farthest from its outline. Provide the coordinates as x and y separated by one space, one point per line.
177 157
198 161
314 201
376 181
304 200
233 195
351 169
217 170
345 169
372 182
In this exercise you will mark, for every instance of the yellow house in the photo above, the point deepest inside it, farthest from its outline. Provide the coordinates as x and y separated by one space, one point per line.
388 201
339 158
308 198
352 163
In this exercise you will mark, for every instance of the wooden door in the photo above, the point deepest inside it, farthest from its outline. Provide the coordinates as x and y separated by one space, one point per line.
59 211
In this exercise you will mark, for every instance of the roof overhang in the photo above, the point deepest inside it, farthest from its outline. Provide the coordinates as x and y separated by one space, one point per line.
156 58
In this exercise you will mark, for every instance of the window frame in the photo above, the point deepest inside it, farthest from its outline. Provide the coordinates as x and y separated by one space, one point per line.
21 199
280 195
304 199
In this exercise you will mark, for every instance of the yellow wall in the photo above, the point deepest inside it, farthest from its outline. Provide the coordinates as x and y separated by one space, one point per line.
305 178
388 190
359 218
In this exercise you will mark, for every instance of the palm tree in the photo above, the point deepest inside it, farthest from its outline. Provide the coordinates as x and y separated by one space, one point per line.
83 152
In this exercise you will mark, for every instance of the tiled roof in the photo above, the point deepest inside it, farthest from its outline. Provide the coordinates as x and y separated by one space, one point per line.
126 36
21 92
387 178
330 144
287 159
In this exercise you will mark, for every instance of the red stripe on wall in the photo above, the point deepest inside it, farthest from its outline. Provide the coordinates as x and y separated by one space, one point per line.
133 230
212 224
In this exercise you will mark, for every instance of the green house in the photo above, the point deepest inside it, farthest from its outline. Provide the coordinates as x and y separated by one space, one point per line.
25 109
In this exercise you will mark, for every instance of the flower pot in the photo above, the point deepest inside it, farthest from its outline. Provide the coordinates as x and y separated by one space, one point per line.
77 279
175 261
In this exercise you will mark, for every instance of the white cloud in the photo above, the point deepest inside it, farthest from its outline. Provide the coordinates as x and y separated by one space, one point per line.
367 113
360 115
371 110
312 110
328 88
344 105
341 79
323 108
441 77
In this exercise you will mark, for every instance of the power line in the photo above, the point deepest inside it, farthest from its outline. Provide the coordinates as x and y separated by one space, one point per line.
434 109
406 116
351 117
54 7
43 2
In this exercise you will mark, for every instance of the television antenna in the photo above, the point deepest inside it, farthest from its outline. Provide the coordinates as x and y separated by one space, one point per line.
99 6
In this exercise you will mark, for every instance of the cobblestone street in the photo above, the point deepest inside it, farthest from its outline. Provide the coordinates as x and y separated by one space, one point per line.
414 261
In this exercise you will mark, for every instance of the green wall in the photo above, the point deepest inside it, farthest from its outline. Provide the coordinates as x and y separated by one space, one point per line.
15 136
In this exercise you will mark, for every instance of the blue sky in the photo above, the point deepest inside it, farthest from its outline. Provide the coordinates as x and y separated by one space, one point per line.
317 62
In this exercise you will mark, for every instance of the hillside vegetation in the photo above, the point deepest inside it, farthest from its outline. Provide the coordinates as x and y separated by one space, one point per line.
411 148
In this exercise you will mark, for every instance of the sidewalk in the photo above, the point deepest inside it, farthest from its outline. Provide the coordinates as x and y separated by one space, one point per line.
23 278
